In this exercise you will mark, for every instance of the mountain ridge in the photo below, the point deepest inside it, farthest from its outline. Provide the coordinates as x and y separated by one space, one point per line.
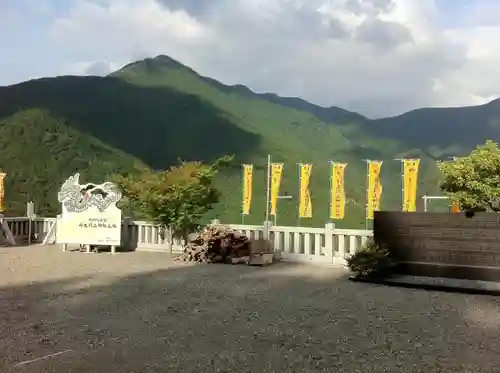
295 102
331 112
414 129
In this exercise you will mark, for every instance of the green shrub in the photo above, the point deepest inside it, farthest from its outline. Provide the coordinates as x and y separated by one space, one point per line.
372 260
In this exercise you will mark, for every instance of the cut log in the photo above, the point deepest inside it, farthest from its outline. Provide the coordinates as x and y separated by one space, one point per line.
216 244
193 237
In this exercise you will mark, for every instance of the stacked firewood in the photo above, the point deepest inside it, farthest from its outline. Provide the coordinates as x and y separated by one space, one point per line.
216 244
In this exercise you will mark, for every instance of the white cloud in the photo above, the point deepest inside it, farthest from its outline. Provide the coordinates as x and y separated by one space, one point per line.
98 68
380 57
125 30
478 79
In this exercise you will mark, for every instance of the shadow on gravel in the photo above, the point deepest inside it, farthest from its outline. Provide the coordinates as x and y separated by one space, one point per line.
221 318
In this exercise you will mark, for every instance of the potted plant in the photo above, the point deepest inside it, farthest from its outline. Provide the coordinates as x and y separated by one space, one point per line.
372 261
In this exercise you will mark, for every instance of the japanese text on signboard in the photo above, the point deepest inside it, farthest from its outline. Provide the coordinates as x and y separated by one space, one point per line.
97 223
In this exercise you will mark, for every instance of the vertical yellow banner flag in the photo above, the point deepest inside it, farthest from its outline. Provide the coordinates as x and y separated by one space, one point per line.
247 188
455 207
305 203
2 191
374 192
337 192
276 172
410 180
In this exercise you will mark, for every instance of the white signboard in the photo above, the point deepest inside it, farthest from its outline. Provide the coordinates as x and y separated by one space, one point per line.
89 213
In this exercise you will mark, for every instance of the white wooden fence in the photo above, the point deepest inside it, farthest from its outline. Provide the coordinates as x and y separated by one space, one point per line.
299 244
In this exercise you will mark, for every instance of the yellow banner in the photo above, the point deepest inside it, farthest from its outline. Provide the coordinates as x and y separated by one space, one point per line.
2 192
276 172
305 203
374 188
247 188
410 181
337 192
455 207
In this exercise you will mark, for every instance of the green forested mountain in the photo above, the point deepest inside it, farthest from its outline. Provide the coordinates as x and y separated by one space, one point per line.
440 132
39 149
444 132
156 111
331 114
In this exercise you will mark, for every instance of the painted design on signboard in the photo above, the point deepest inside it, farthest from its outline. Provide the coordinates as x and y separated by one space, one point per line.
78 198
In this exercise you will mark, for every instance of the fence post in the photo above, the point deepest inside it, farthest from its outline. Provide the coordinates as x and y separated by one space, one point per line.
329 245
30 212
266 235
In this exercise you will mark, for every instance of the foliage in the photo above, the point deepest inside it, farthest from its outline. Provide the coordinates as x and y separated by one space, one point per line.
371 260
474 181
39 150
176 198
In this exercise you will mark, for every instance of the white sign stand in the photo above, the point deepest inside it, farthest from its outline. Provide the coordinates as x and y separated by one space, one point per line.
6 236
89 216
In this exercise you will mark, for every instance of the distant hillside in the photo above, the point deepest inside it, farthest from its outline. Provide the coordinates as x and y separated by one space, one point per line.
156 111
444 132
144 122
331 114
438 132
39 149
290 135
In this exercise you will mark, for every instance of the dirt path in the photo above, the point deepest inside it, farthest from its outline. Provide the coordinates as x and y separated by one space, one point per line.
139 312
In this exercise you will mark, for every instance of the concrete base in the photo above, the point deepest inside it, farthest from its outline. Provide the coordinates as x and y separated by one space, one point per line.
261 259
437 284
88 249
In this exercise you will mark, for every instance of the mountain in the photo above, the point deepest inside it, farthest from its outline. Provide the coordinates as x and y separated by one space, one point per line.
156 111
291 136
39 149
444 132
332 114
439 132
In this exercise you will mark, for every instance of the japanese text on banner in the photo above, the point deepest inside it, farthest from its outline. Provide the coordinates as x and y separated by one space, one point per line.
2 191
410 180
337 192
374 192
305 203
247 188
276 172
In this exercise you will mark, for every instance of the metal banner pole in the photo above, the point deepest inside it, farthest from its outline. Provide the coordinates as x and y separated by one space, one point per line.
242 191
367 199
298 204
401 160
330 170
268 195
402 184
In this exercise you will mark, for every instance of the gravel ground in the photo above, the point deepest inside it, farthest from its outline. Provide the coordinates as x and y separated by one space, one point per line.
139 312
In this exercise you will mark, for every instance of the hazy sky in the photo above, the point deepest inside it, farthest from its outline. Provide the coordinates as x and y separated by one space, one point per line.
377 57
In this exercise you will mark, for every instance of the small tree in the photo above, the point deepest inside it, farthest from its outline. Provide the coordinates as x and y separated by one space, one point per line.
474 181
175 199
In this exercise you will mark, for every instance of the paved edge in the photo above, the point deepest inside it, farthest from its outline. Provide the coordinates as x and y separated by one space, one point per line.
433 287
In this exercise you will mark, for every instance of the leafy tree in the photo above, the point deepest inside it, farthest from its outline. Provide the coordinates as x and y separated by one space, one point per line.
474 181
175 199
